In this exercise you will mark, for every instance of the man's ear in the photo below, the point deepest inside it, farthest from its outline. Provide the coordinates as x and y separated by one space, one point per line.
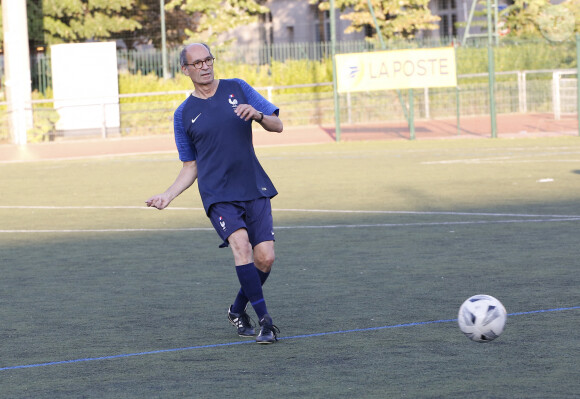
185 70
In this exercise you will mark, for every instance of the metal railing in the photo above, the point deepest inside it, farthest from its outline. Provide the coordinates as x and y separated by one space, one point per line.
150 60
542 91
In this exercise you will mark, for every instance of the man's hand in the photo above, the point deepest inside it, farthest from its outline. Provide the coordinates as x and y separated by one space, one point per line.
186 177
159 201
270 123
247 112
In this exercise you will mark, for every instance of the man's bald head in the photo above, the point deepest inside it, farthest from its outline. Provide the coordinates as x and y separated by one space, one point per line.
192 46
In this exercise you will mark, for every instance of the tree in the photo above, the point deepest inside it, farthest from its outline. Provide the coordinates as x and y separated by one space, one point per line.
70 21
214 17
148 14
536 18
135 21
396 18
67 21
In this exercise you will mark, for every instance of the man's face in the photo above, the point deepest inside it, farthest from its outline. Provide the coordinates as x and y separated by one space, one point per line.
203 75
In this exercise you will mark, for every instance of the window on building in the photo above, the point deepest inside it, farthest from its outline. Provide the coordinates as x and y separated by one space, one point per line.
454 25
369 30
322 33
265 28
447 11
327 24
444 26
290 34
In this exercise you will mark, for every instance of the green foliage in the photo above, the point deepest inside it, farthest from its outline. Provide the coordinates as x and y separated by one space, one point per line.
44 128
525 55
536 55
313 105
290 72
68 21
511 56
138 83
151 114
394 17
217 16
295 72
537 18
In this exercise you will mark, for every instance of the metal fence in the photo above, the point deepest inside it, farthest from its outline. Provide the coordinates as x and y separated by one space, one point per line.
551 91
545 91
146 61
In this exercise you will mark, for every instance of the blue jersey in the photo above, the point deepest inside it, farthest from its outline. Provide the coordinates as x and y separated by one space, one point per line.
208 131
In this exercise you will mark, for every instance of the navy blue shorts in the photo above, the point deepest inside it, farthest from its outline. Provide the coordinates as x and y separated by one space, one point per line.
255 216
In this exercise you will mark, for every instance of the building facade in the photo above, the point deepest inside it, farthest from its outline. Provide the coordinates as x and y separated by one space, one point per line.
292 21
298 21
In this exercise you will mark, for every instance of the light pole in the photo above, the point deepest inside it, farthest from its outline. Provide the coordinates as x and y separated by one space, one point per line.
163 39
17 69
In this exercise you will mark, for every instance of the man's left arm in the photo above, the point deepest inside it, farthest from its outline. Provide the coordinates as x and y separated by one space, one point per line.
259 109
269 122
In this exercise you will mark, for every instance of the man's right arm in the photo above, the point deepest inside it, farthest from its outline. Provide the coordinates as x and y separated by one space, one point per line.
187 176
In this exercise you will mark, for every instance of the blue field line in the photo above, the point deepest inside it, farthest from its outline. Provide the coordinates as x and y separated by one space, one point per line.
126 355
419 323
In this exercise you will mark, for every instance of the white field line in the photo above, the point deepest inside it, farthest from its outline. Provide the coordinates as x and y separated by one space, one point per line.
87 157
517 158
336 226
79 207
427 213
496 161
344 211
107 230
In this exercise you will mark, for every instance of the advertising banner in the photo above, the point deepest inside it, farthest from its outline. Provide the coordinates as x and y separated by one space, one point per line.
398 69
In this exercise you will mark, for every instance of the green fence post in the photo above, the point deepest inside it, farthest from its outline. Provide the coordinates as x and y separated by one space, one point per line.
334 81
491 71
578 80
411 115
458 102
457 98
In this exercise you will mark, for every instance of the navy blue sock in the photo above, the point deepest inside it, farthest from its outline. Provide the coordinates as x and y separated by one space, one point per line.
252 287
242 300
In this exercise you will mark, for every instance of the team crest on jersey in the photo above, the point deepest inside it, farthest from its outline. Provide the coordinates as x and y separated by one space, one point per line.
222 223
233 101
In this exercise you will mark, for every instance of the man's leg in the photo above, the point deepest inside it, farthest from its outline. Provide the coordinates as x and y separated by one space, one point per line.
251 284
247 271
263 259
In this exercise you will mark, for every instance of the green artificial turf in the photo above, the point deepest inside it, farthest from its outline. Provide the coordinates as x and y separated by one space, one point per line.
377 243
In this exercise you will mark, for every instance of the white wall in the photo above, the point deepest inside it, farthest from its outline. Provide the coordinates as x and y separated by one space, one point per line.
85 84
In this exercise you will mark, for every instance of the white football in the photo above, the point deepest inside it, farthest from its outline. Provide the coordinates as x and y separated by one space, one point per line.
482 318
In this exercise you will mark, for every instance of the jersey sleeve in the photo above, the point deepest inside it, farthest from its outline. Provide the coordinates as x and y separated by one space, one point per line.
184 145
256 100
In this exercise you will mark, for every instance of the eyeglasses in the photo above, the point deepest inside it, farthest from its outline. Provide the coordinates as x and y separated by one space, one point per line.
199 64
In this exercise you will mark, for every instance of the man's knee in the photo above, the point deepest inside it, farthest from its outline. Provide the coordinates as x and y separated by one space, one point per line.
265 261
264 256
241 247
